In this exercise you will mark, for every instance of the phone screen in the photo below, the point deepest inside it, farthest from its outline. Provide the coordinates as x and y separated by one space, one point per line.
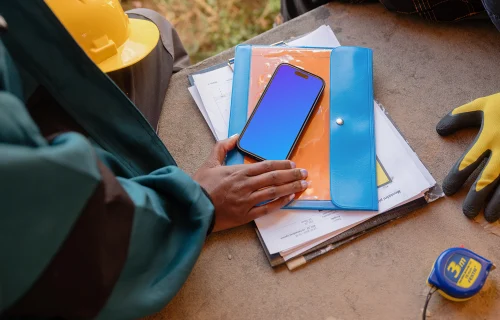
281 114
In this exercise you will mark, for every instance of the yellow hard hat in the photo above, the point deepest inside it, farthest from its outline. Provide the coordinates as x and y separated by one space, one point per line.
105 33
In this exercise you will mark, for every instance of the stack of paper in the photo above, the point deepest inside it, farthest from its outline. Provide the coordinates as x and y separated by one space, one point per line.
401 176
292 232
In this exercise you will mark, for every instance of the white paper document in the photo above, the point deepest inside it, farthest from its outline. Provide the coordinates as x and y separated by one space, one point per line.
412 154
196 97
290 229
323 37
293 252
214 87
215 92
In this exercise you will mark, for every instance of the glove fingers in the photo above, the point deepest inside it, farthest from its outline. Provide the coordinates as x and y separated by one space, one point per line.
453 122
456 177
492 211
476 200
491 176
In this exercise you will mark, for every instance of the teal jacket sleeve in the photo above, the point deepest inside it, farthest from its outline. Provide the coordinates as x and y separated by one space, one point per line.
78 241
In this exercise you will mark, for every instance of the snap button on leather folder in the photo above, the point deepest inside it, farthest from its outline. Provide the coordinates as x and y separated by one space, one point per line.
337 147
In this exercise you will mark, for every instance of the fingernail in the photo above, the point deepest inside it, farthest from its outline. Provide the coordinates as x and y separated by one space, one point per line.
291 197
234 135
292 164
304 173
304 184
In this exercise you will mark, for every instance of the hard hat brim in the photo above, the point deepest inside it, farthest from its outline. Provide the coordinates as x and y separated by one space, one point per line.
143 37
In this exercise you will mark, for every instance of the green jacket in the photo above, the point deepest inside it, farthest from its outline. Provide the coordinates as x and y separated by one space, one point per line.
96 222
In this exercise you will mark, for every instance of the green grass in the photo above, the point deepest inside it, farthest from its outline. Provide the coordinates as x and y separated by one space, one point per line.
207 27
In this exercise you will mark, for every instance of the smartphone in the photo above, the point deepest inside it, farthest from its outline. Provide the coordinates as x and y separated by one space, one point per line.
281 114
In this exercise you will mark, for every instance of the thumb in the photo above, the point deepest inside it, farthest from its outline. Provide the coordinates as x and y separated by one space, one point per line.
223 147
466 116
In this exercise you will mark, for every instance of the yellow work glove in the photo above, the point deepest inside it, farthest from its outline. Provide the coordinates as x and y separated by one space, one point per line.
483 113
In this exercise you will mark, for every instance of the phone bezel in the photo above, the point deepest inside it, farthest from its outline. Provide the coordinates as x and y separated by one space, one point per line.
306 120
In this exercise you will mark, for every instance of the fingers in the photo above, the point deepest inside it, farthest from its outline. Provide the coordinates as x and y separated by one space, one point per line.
268 166
479 148
274 192
277 178
453 122
257 212
476 198
490 172
491 177
468 115
492 211
221 148
461 172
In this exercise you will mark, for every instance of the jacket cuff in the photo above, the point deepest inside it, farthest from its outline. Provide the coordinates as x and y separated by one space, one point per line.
212 224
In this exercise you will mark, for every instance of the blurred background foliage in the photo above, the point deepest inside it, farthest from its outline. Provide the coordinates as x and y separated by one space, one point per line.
207 27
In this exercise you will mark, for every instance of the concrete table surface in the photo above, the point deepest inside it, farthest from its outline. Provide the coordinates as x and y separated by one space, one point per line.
421 71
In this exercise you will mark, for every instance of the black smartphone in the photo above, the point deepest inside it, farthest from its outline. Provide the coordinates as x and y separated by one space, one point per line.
281 114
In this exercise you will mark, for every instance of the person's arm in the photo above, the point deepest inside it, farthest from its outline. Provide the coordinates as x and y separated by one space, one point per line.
82 243
78 242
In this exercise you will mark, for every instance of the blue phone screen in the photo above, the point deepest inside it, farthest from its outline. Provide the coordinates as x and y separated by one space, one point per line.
281 113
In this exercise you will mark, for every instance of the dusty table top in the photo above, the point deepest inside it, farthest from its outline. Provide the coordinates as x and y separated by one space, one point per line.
421 71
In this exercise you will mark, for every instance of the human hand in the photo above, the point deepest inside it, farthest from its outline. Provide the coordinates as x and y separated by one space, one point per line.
236 190
485 113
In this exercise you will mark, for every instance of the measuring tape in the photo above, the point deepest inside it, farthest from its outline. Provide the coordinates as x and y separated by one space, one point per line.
458 274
